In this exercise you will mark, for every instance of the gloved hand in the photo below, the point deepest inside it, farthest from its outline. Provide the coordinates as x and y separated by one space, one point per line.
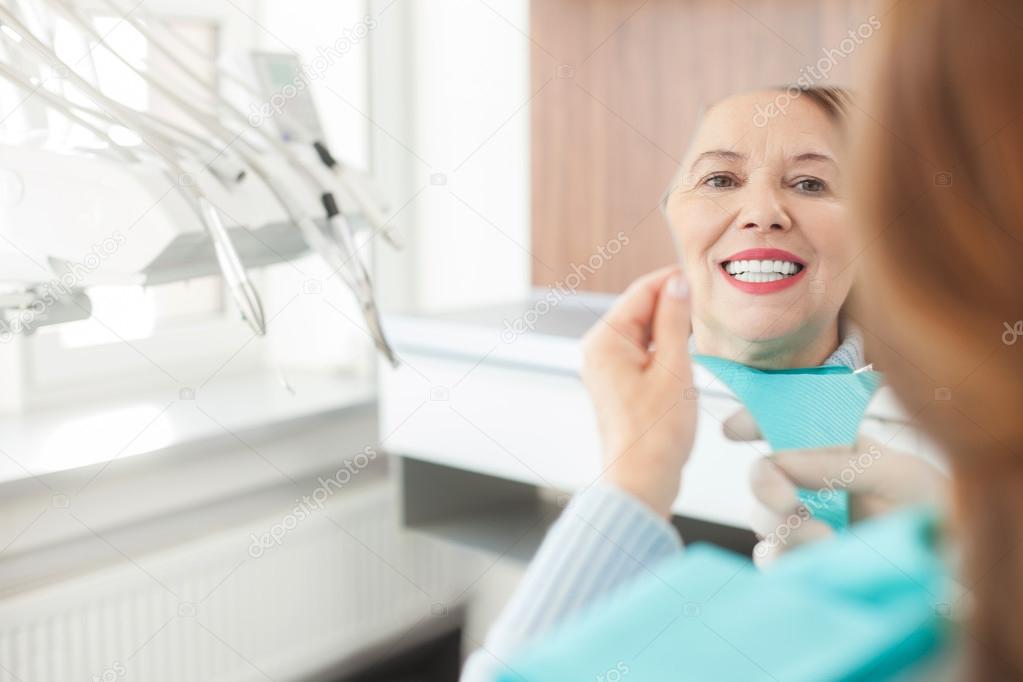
879 479
637 369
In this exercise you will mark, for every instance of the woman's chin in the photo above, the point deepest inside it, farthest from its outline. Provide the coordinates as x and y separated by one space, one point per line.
764 327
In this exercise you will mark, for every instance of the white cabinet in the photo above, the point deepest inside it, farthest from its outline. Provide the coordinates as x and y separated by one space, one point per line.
470 396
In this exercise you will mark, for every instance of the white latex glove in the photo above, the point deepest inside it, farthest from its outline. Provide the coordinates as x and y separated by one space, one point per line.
878 478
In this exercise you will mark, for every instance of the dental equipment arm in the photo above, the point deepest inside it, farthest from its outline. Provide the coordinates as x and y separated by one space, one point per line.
345 262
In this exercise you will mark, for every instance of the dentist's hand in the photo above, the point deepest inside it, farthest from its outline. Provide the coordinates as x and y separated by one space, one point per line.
637 370
879 479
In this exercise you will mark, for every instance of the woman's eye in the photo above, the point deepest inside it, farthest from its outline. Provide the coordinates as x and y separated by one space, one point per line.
720 181
811 185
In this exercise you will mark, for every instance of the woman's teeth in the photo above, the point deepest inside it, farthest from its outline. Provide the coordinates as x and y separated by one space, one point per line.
761 270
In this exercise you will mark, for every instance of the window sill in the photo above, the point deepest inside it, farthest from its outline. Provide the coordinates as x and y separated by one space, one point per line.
47 442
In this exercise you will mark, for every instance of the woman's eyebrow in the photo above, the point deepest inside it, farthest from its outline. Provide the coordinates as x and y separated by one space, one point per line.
719 154
812 156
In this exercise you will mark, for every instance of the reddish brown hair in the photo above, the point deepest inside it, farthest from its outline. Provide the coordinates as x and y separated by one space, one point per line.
939 185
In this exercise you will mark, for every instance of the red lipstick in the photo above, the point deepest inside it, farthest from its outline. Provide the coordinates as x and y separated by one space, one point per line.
759 255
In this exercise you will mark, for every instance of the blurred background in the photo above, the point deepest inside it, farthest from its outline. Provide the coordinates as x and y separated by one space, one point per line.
210 467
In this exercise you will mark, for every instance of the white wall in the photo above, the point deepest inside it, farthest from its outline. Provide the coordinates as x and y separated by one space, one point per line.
449 94
327 32
472 85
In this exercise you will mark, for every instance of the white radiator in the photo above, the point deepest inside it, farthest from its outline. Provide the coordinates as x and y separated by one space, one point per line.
210 610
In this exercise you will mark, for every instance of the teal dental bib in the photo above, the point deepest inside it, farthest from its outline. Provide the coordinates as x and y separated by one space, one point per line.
854 607
808 407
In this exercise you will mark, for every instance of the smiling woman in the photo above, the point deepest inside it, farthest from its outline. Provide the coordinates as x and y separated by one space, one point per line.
765 245
761 228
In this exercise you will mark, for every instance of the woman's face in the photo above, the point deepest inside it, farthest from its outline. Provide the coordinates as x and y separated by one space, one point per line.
760 221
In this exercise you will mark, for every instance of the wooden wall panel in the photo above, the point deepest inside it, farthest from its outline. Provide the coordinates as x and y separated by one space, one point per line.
618 86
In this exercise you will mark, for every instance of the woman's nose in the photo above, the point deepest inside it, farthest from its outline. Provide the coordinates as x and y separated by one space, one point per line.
765 213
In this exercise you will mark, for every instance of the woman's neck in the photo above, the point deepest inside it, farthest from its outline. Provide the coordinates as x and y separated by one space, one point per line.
799 350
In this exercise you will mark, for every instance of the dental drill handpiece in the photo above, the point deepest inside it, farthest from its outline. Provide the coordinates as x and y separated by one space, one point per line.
354 273
377 220
230 264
